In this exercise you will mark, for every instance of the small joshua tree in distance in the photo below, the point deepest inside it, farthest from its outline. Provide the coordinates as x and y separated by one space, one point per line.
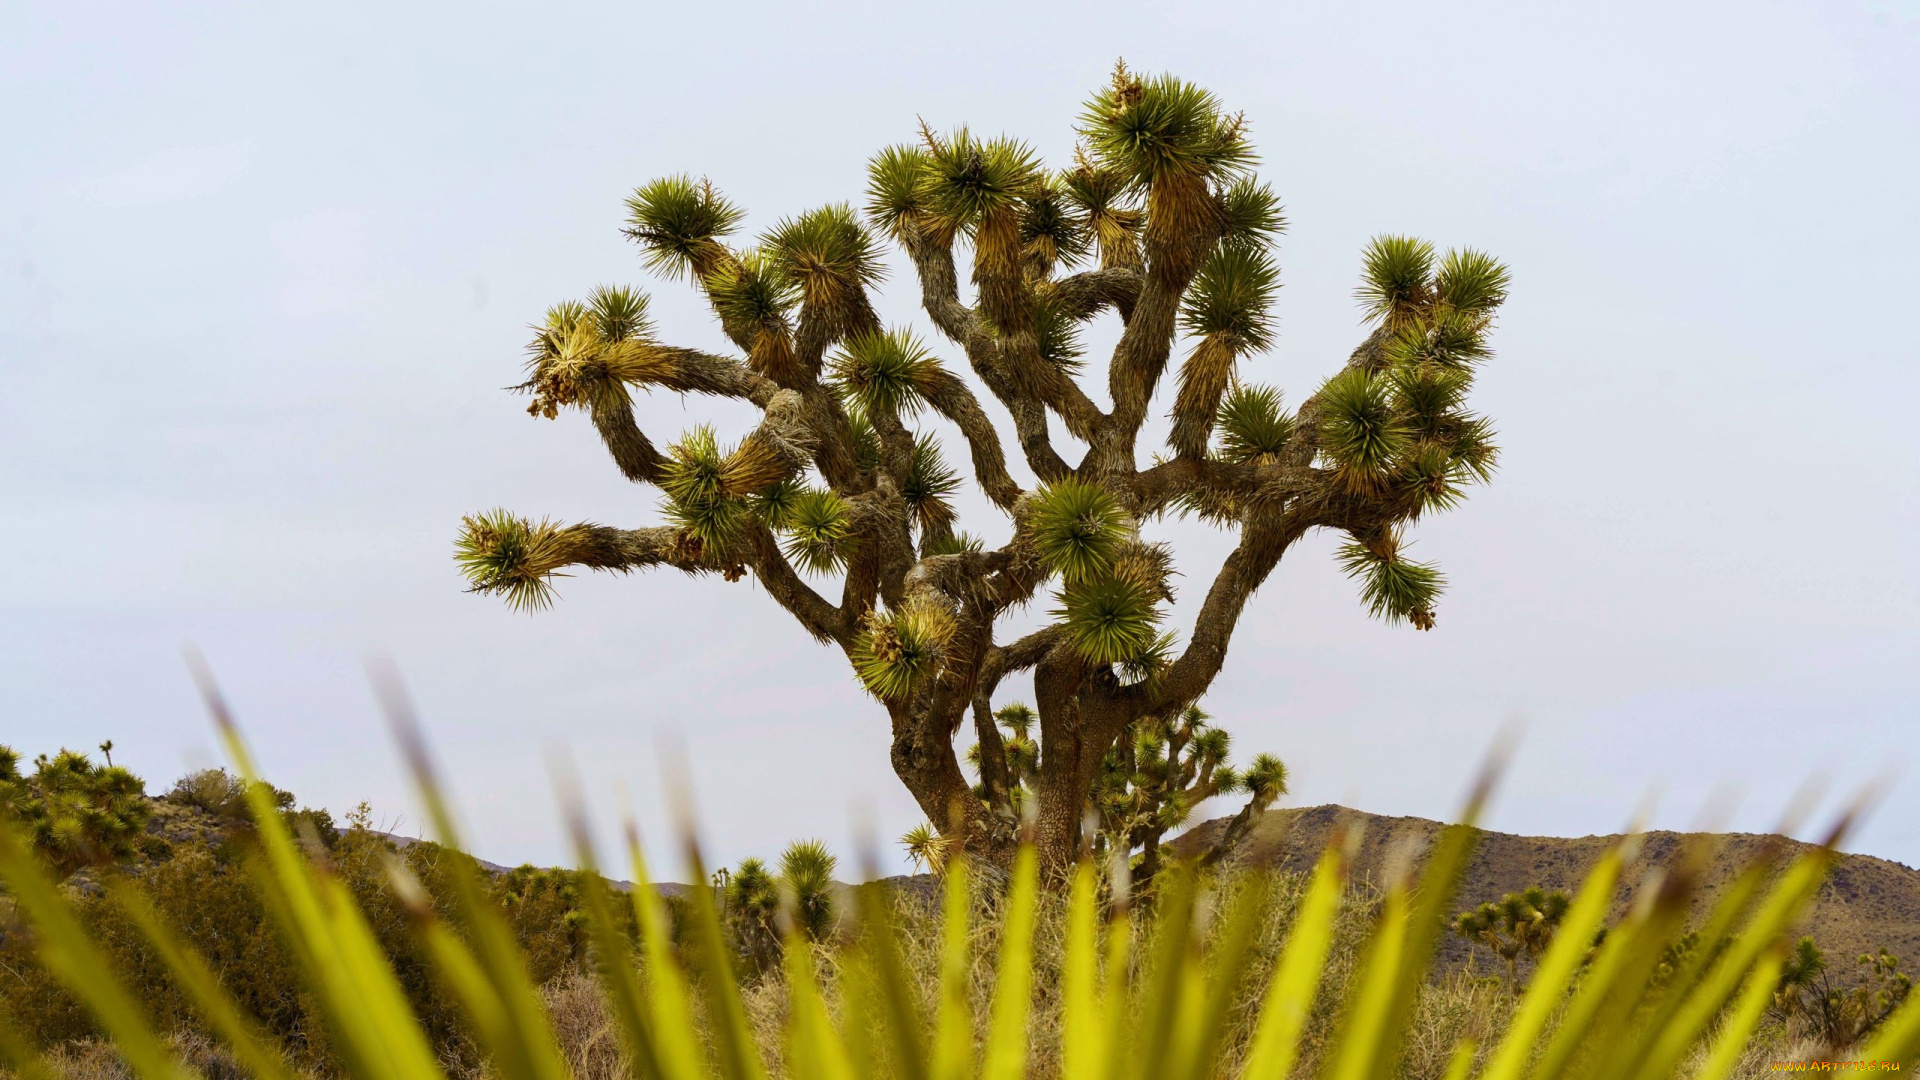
839 502
1149 784
1519 923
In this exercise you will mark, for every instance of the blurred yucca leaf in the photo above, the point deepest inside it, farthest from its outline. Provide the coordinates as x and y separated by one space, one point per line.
1587 1012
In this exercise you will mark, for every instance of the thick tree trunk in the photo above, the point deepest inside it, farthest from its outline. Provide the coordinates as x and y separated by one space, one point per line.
923 759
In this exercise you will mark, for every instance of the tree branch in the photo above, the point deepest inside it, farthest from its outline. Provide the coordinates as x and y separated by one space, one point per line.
824 621
940 298
1244 570
631 450
951 398
1086 294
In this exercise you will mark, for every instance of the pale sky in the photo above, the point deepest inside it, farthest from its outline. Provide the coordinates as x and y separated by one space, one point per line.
263 272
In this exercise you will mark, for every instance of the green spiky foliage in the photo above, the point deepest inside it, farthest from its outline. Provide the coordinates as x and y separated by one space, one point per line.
1518 924
1254 430
1215 993
1078 529
842 496
819 530
903 651
678 222
887 374
74 813
1392 586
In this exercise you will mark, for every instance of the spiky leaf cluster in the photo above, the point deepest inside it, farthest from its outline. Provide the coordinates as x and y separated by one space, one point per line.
968 181
587 354
818 527
896 191
1108 203
1053 230
886 372
1396 279
1471 282
754 298
829 255
1251 214
709 490
1078 527
958 543
1057 334
1392 586
1231 298
678 221
807 887
514 558
1396 423
929 486
900 651
1163 127
1111 618
1253 428
1360 429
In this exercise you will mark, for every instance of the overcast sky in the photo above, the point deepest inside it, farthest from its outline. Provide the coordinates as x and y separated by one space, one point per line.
264 271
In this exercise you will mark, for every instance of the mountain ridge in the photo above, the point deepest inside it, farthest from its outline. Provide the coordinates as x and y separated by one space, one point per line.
1866 903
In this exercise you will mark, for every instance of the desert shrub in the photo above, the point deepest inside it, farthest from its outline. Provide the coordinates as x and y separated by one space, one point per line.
224 795
216 791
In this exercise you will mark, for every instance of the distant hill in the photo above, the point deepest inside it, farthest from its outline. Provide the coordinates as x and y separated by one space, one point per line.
1865 904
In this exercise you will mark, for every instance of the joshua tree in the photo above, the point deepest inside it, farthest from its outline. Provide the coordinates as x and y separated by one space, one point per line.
1158 223
1519 923
76 813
